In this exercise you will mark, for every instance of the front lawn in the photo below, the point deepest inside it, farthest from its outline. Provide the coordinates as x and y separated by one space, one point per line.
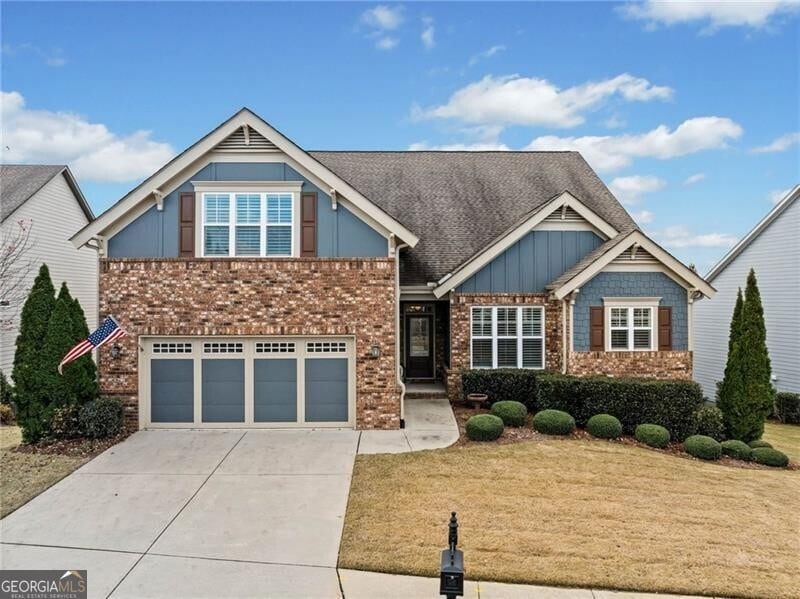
583 513
785 437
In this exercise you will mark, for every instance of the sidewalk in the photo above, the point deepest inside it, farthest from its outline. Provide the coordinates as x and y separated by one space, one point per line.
369 585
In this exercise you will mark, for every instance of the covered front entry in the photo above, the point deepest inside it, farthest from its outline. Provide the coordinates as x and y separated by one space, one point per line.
425 339
247 382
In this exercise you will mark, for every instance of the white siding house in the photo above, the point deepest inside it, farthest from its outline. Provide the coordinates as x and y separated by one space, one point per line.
772 249
50 201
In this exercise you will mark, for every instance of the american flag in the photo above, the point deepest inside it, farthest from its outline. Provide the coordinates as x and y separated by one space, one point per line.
108 331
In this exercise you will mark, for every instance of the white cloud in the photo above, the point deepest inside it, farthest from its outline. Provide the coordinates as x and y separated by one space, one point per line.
54 58
629 190
714 14
776 195
692 179
387 43
515 100
428 35
780 144
609 152
681 237
643 217
91 150
382 17
486 54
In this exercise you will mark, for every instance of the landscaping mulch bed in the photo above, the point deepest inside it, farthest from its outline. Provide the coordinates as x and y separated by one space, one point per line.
80 447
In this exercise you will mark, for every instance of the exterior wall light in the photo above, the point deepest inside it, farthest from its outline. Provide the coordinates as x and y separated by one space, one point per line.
116 351
375 351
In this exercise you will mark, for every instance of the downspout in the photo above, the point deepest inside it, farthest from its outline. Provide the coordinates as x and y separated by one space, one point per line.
570 342
398 366
564 308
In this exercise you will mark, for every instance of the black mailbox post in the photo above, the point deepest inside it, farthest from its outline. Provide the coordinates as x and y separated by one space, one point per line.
451 575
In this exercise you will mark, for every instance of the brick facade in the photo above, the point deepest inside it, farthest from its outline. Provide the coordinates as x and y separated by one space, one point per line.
460 330
648 364
227 297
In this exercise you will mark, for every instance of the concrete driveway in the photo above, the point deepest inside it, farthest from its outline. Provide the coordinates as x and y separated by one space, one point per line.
195 514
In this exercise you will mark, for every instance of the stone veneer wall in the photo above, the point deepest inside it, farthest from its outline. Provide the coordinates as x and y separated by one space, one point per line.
234 296
648 364
460 330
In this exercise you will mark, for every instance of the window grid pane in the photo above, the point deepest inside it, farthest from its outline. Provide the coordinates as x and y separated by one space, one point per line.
619 338
217 208
506 322
481 353
248 208
619 317
641 339
279 208
248 241
481 322
532 322
533 353
641 317
279 240
507 353
216 241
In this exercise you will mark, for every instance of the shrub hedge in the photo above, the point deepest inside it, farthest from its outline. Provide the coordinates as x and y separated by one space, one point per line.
709 422
65 422
101 418
759 443
703 447
484 427
737 449
653 435
671 404
512 384
604 426
770 457
553 422
512 413
787 407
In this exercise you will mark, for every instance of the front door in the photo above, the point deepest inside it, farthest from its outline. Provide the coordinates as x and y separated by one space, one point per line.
419 346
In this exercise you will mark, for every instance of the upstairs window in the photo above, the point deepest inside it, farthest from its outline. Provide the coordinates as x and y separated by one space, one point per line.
248 224
507 337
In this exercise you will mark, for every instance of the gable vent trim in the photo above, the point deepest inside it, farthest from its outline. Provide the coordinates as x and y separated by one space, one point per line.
246 139
564 214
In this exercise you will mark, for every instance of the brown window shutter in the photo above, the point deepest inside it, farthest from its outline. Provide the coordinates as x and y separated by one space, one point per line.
597 340
308 224
186 226
664 328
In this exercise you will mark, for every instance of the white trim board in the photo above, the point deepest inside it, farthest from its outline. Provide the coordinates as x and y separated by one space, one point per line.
204 146
474 264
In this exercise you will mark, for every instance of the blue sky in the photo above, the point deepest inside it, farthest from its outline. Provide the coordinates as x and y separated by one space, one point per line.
689 112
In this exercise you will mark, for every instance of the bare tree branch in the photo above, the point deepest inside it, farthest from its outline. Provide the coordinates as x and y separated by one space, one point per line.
16 264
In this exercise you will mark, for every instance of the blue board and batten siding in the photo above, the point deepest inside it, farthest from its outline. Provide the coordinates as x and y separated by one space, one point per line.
632 284
340 233
532 262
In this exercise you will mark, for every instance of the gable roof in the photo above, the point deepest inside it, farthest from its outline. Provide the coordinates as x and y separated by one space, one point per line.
20 182
482 194
776 211
191 155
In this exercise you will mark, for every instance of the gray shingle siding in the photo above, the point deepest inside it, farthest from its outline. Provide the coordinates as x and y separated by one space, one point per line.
532 262
632 284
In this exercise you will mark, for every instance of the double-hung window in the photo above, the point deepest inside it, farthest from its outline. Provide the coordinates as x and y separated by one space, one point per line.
507 337
248 224
630 328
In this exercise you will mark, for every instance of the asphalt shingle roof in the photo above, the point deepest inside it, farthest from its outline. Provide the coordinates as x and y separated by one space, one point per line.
18 182
458 203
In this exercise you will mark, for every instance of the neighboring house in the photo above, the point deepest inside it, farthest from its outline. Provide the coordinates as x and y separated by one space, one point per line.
47 199
772 249
263 285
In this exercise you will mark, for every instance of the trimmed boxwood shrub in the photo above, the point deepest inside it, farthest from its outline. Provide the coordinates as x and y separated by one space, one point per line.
553 422
604 426
484 427
737 449
512 413
759 443
671 404
101 418
709 422
770 457
653 435
703 447
787 407
65 422
512 384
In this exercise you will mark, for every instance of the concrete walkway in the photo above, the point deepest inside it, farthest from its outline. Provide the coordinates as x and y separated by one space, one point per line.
430 424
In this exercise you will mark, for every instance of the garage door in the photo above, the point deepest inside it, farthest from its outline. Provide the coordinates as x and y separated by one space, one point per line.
247 382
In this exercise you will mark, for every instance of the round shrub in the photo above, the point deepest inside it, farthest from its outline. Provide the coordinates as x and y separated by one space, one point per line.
65 422
512 413
770 457
101 418
738 450
604 426
652 435
708 421
484 427
703 447
553 422
759 443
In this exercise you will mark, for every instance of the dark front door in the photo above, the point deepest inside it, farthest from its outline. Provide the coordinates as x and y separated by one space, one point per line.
419 346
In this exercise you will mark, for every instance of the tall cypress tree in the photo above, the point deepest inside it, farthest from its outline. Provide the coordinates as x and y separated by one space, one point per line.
758 392
31 395
57 342
731 389
81 375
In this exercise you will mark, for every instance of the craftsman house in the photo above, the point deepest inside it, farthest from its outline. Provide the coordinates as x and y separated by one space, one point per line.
265 285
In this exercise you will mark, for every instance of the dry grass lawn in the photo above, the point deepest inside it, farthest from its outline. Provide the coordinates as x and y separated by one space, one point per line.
785 437
24 475
579 513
